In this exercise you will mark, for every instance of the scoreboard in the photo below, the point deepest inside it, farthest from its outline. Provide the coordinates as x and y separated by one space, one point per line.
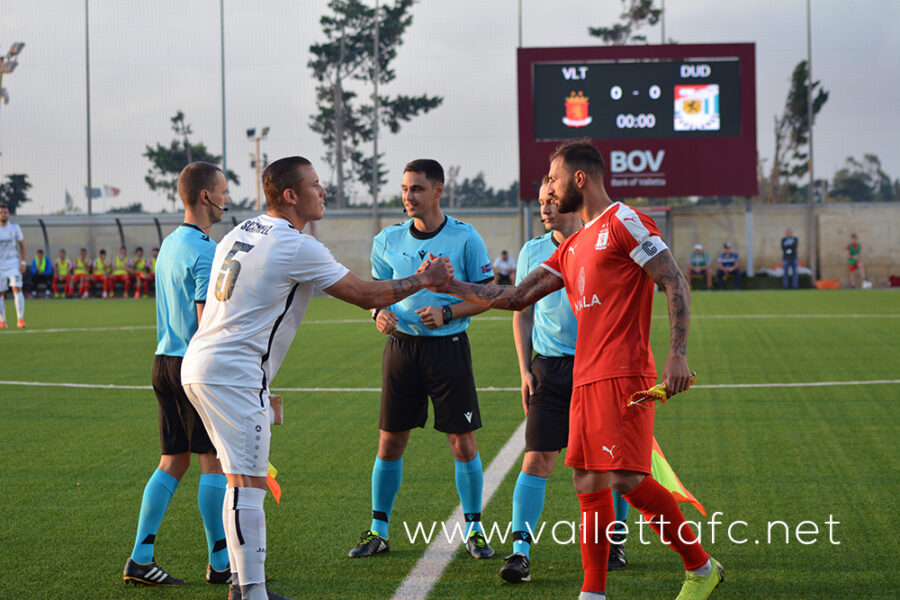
670 120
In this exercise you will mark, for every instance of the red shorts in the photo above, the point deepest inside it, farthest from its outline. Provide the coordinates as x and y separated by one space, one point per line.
853 267
605 434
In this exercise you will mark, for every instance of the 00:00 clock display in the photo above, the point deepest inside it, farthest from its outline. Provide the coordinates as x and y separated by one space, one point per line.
643 121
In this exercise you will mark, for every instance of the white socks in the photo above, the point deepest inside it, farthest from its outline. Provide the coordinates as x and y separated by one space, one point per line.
704 570
245 530
20 304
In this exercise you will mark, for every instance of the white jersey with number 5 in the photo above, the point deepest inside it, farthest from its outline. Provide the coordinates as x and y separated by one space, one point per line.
262 279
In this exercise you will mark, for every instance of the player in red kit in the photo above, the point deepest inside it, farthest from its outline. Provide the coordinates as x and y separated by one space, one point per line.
609 268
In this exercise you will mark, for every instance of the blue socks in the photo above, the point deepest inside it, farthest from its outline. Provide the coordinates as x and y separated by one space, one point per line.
386 478
157 494
528 504
210 498
469 485
620 505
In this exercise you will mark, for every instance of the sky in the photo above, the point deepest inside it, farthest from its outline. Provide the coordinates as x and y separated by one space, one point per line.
149 60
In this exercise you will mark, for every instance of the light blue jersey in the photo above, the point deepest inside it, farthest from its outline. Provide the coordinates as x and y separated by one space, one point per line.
555 326
399 250
182 276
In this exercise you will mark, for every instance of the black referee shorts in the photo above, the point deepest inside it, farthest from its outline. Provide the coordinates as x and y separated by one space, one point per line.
180 427
416 367
547 424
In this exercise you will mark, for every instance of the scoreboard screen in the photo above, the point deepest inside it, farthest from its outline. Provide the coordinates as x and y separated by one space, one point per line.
615 100
673 120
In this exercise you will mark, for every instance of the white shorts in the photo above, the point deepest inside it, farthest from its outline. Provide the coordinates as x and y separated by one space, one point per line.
10 278
238 425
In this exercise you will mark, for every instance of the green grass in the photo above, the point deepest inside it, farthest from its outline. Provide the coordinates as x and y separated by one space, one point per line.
75 460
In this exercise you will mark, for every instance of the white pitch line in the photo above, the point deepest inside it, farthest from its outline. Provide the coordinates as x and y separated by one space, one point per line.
77 329
720 386
478 318
427 571
797 316
792 385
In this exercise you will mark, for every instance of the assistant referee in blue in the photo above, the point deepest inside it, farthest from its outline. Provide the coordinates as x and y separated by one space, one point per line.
427 354
545 335
182 277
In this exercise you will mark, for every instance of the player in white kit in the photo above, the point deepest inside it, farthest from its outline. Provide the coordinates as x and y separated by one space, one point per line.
263 276
12 266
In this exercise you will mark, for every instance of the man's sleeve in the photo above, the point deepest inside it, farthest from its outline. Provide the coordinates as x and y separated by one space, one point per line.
19 236
381 269
314 262
553 264
202 269
478 261
637 235
522 264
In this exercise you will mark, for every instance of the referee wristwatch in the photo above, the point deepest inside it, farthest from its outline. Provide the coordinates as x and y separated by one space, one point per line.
448 314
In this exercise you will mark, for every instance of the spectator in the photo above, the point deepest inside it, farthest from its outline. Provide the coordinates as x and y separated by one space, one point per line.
789 259
729 265
62 271
504 269
854 260
41 272
699 266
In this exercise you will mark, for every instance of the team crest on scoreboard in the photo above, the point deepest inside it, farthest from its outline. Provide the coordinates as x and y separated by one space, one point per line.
602 240
697 107
577 110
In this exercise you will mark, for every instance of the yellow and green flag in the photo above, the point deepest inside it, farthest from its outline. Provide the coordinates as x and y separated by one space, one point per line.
662 472
276 489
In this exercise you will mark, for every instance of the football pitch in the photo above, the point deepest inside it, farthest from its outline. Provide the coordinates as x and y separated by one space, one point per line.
803 478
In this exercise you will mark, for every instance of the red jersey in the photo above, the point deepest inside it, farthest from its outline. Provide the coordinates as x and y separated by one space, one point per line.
602 268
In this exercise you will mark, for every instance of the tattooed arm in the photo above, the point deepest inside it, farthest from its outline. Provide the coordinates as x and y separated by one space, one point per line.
372 294
535 286
663 270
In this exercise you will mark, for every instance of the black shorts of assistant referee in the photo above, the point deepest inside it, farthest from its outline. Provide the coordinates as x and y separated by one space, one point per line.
547 424
180 427
416 367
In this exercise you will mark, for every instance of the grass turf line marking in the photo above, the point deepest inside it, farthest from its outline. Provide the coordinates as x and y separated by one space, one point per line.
428 569
719 386
478 318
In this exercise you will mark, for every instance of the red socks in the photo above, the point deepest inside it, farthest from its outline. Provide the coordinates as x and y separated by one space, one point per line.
655 501
596 513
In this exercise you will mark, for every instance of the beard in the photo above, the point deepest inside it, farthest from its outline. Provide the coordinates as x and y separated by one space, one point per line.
571 200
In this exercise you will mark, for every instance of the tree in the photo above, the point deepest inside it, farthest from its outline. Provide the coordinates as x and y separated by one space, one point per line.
635 14
15 191
475 192
166 163
863 181
791 160
344 120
